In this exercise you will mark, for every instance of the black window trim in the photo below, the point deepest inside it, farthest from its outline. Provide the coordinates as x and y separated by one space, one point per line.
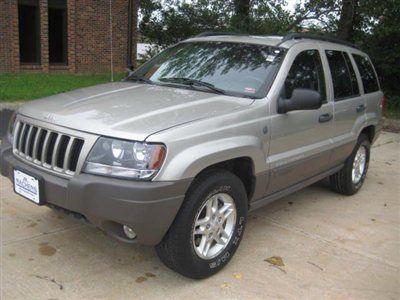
355 74
347 97
373 69
326 100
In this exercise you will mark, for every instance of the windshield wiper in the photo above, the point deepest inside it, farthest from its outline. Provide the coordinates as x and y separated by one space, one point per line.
139 78
193 83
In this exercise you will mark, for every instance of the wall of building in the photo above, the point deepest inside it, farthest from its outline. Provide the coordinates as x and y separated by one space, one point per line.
9 43
94 35
92 43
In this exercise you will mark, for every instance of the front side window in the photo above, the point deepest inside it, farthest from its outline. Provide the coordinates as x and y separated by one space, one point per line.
369 80
238 69
343 76
306 72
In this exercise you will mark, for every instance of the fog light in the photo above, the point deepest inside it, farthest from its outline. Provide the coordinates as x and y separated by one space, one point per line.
129 232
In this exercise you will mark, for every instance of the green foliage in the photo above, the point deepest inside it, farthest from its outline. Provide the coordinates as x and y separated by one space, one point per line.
28 86
375 27
178 20
377 32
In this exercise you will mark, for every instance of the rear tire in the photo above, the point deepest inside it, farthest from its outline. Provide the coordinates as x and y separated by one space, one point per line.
184 247
350 178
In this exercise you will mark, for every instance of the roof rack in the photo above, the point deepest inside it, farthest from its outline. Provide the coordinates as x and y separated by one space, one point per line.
299 36
215 33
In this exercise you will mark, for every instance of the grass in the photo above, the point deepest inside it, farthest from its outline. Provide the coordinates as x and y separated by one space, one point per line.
392 114
28 86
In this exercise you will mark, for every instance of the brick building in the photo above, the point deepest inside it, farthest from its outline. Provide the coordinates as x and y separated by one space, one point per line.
78 36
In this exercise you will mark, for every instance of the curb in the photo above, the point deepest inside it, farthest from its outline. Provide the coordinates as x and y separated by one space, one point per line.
10 105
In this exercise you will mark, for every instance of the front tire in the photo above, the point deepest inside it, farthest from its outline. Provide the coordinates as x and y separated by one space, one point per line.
350 178
208 228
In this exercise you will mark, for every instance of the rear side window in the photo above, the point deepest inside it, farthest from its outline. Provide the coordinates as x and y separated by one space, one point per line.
369 80
306 72
343 76
353 77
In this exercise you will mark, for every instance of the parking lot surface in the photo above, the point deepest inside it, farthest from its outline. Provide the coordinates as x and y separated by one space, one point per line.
314 244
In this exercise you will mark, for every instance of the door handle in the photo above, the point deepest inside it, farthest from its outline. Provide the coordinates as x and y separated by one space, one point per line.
360 108
325 118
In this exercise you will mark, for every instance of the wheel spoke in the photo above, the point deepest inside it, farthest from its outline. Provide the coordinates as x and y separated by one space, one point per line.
207 246
200 231
202 244
202 222
224 234
228 213
215 204
224 208
219 240
209 211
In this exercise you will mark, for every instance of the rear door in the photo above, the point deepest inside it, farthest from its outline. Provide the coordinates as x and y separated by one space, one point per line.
349 104
300 140
370 89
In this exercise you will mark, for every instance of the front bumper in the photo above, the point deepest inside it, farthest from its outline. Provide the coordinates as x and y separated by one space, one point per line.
149 208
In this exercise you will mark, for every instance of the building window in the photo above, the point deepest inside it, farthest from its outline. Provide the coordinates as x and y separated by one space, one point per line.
57 31
29 31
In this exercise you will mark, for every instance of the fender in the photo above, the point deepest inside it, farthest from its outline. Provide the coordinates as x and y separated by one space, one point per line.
191 161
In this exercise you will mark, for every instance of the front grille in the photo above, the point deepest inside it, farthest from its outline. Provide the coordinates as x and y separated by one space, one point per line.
47 148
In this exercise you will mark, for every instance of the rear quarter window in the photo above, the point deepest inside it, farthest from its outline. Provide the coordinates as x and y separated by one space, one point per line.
368 76
343 76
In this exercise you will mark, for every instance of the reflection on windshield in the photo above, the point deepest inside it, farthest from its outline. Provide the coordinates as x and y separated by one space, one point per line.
237 68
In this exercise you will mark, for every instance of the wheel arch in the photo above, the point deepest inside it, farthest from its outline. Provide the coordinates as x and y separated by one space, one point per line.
242 167
370 132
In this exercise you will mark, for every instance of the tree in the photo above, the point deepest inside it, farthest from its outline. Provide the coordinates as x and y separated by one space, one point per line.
346 21
241 18
371 24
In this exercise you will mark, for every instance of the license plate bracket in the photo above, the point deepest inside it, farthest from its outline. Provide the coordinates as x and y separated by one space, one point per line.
28 186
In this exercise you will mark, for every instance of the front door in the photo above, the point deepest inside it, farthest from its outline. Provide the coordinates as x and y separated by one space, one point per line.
300 140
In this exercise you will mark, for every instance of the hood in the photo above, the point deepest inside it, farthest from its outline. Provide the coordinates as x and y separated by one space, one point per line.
129 110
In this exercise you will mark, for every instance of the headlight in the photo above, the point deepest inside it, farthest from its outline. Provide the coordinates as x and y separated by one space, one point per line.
11 126
125 159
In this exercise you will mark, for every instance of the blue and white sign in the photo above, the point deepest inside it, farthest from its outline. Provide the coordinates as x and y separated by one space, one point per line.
26 186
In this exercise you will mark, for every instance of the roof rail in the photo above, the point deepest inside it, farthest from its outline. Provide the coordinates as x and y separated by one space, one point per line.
299 36
215 33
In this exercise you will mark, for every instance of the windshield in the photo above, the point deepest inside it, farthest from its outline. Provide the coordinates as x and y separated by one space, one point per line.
236 69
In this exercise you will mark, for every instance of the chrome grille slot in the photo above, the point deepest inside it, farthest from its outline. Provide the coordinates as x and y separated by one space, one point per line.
47 148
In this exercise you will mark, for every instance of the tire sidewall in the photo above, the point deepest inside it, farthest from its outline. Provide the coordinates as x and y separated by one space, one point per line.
235 189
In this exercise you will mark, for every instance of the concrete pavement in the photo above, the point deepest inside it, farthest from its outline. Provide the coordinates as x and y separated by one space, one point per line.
331 246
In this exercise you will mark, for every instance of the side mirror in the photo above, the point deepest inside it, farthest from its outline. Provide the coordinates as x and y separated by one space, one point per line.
302 99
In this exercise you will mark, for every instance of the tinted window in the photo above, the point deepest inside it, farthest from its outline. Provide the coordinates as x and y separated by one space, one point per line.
306 73
238 68
354 83
344 86
369 80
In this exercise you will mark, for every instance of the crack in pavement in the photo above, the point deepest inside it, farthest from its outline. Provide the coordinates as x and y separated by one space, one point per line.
60 285
42 234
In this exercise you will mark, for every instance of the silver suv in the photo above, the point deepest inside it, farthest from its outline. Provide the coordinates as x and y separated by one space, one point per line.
178 153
